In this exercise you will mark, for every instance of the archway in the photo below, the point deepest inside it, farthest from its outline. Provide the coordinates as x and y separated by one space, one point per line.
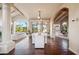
61 18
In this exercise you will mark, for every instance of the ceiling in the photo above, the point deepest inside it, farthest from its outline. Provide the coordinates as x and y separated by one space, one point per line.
30 10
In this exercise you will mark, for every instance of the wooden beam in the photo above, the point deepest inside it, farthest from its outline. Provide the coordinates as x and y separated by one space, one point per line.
17 10
60 16
61 19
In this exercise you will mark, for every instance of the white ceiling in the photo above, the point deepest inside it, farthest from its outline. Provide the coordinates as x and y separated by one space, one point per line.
30 10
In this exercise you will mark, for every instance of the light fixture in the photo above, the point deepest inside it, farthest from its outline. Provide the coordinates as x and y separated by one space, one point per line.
39 17
77 19
39 14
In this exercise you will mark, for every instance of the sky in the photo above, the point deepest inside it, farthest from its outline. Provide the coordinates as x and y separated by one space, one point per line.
23 23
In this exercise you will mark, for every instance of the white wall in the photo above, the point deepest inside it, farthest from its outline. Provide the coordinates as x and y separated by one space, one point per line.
0 20
0 24
73 27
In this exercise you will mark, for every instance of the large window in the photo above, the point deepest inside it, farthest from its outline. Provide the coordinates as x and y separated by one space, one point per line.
45 27
34 27
21 26
38 26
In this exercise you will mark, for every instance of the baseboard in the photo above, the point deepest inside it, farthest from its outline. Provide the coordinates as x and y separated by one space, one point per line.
73 51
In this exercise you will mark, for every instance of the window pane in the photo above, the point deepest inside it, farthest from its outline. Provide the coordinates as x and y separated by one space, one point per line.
21 26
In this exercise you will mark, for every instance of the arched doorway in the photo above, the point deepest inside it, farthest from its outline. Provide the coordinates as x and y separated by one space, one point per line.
61 18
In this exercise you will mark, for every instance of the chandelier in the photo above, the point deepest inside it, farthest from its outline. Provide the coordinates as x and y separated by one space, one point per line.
39 15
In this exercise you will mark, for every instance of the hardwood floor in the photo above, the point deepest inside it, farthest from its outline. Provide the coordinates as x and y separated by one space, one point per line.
53 47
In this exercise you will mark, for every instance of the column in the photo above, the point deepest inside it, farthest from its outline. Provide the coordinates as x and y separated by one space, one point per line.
11 27
14 27
6 44
51 25
30 25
